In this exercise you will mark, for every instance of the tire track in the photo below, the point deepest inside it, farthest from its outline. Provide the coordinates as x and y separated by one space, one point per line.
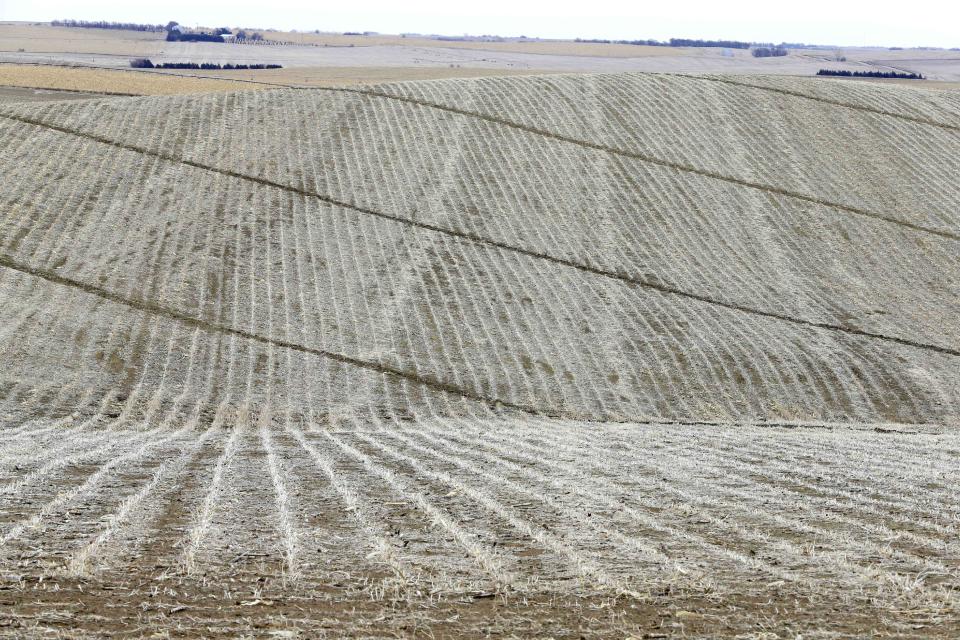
483 241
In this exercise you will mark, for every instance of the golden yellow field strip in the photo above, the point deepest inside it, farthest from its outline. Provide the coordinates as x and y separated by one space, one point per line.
108 81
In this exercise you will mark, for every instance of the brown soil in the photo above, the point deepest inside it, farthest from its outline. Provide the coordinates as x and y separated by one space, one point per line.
139 602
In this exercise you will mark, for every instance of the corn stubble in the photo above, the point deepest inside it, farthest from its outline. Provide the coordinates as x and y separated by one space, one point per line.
611 355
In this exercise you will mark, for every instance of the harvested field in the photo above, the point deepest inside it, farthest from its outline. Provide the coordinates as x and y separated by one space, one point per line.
35 37
939 85
328 58
471 526
110 81
29 94
620 355
543 47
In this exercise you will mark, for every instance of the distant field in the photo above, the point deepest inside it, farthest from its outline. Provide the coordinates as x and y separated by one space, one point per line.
938 85
110 81
139 82
553 47
339 59
44 38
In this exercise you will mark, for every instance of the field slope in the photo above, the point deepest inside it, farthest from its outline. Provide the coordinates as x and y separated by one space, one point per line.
604 355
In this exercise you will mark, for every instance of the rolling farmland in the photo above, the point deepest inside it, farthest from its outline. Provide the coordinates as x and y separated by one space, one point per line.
616 355
331 58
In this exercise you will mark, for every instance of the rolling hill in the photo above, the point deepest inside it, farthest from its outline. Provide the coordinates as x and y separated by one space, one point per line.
575 339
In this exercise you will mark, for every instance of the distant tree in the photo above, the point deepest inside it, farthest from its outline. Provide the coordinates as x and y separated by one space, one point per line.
241 35
183 36
209 66
726 44
256 36
768 52
171 25
141 63
102 24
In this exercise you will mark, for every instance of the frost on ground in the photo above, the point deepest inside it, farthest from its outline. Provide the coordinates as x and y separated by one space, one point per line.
600 355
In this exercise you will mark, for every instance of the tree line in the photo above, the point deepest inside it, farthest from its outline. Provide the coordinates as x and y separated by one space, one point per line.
253 37
145 63
102 24
870 74
673 42
725 44
650 43
768 52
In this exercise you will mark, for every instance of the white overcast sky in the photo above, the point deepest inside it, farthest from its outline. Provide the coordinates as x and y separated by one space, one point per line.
933 23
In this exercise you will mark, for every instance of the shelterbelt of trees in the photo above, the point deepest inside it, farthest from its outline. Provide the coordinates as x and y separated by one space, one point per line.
103 24
870 74
145 63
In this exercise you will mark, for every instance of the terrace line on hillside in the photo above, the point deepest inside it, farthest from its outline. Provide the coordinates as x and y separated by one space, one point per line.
411 372
584 263
587 268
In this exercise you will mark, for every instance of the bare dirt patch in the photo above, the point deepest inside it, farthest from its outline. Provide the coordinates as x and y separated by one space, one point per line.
135 602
